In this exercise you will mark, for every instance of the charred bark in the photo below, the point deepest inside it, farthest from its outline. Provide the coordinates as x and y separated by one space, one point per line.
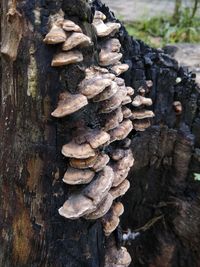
163 202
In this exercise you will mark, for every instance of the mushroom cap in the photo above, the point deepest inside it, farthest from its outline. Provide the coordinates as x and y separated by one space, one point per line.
98 189
120 190
117 154
84 163
76 39
117 209
122 131
105 29
55 36
73 150
112 45
178 107
94 86
76 206
142 114
120 175
119 81
130 90
149 83
110 223
97 138
66 58
69 104
141 125
102 209
117 257
127 113
113 119
70 26
120 68
141 100
107 58
99 15
127 161
126 100
77 176
114 102
102 161
126 143
107 93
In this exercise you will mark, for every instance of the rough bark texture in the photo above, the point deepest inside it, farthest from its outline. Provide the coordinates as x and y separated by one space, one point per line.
163 202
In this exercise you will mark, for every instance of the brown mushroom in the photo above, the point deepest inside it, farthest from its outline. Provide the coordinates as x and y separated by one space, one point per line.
127 161
178 107
122 131
73 150
130 91
101 162
97 138
142 114
120 190
141 125
117 257
107 58
120 81
102 209
117 209
107 93
84 163
110 223
69 104
120 68
77 176
141 100
127 113
55 36
126 100
76 206
112 45
98 189
117 154
70 26
113 119
99 15
114 102
76 39
66 58
120 175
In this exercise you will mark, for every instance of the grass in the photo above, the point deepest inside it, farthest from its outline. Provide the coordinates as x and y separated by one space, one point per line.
159 31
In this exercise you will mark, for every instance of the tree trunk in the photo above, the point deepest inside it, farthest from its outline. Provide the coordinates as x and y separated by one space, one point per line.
162 205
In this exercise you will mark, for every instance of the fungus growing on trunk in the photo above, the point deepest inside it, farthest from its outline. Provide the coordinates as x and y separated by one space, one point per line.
70 26
76 39
77 176
141 100
56 35
74 150
120 190
66 58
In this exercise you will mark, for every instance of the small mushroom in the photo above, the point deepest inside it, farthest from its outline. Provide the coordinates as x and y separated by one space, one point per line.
127 113
117 257
141 100
141 125
107 93
122 131
113 119
107 58
127 161
112 45
117 209
149 83
141 90
66 58
120 175
94 86
69 104
110 223
98 189
114 102
70 26
84 163
76 206
178 107
76 39
99 15
76 176
73 150
120 68
126 100
120 190
117 154
120 81
130 91
126 143
56 35
102 209
97 138
142 114
101 162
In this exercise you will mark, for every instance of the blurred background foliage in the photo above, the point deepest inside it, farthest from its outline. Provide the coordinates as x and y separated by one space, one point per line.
182 26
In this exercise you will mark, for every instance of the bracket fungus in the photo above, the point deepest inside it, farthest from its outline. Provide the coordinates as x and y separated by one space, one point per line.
69 104
122 131
107 93
74 150
83 163
120 190
77 176
141 100
76 39
66 58
142 114
70 26
120 68
113 119
56 35
117 257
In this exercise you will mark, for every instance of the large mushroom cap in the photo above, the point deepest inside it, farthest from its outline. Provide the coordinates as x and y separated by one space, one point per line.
102 29
98 189
70 26
113 119
69 104
73 150
66 58
120 190
107 58
76 206
76 176
141 100
76 39
97 138
142 114
55 36
102 209
122 131
83 163
94 86
107 93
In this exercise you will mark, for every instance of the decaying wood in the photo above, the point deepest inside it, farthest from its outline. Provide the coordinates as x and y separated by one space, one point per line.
31 166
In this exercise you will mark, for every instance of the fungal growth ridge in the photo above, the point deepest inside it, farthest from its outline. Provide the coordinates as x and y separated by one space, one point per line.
99 158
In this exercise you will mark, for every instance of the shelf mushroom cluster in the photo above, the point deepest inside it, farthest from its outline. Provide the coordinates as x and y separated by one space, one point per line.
93 159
